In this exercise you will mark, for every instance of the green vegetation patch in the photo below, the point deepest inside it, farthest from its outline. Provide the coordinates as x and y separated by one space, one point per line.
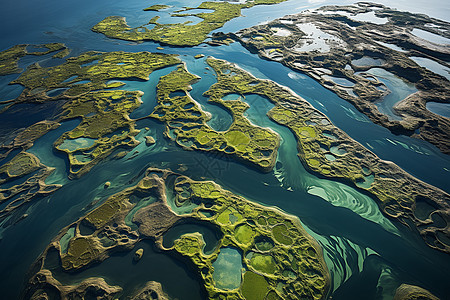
105 121
105 230
281 234
104 213
395 190
263 243
21 164
9 58
81 252
187 124
244 234
180 34
85 81
156 7
263 263
288 252
254 287
91 71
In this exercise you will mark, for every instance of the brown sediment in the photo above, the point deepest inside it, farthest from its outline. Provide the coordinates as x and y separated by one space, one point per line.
44 286
348 40
151 290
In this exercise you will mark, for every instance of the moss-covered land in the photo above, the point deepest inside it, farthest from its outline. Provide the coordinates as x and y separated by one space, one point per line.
179 34
338 51
22 178
281 260
105 126
9 58
156 7
327 150
24 139
87 85
186 124
88 72
22 164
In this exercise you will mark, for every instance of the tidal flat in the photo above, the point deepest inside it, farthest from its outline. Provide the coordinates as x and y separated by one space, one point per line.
172 152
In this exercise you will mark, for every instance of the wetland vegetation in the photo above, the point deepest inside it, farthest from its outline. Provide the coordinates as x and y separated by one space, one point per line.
217 241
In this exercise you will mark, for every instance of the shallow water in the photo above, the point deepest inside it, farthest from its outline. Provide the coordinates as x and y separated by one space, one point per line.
442 109
315 39
367 61
432 66
221 118
369 17
431 37
49 156
391 46
399 90
227 269
80 143
339 80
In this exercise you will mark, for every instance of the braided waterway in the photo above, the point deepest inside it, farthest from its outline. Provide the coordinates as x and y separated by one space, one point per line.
358 241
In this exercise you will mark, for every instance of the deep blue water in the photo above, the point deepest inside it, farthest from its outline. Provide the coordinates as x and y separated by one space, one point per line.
337 228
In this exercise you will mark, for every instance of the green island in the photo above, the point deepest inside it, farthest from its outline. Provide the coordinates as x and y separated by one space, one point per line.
326 150
156 7
105 127
90 71
89 86
22 181
179 34
186 124
10 57
349 57
281 260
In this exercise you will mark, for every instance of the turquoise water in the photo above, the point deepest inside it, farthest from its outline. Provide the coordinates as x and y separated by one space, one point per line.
228 269
221 118
49 156
347 223
73 145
